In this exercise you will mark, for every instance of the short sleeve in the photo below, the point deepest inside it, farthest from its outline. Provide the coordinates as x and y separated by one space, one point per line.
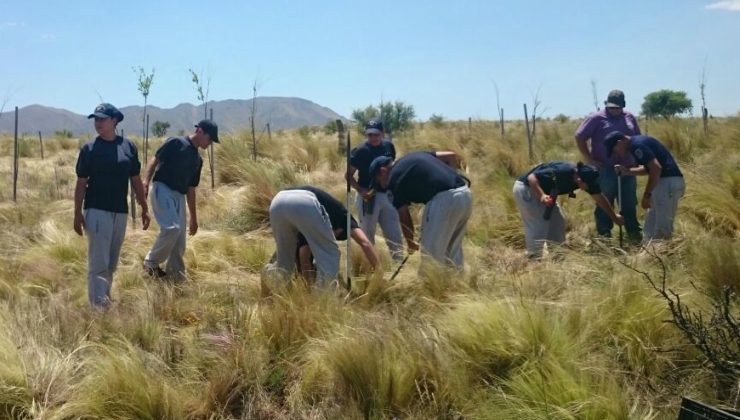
392 150
82 168
586 129
643 155
196 176
166 150
135 169
355 157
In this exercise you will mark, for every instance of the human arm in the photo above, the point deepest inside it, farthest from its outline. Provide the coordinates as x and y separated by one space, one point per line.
79 219
536 187
635 170
140 193
190 198
148 174
367 247
350 177
305 263
585 152
407 227
603 203
653 168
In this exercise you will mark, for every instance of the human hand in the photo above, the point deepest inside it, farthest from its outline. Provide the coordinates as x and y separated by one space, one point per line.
367 194
619 219
547 200
193 227
645 203
619 170
145 220
79 223
412 246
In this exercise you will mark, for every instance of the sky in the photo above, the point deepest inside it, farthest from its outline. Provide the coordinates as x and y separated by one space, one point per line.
442 57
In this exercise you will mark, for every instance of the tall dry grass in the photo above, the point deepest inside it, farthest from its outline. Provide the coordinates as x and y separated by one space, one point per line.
576 335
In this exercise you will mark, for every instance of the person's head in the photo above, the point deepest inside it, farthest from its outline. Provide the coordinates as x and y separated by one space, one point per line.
587 178
206 131
615 103
107 118
616 143
374 132
379 170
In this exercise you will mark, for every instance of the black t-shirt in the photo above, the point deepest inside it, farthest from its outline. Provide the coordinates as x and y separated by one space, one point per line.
419 176
179 164
334 208
561 172
362 156
646 148
108 165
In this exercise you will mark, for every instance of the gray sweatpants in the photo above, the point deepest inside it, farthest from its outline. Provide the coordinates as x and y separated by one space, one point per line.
663 206
386 215
105 232
169 211
294 211
537 230
443 226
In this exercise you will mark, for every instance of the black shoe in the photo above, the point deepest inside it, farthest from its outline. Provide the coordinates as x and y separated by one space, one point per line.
154 272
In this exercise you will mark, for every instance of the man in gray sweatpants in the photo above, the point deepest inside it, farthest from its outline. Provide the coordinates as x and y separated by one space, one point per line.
421 177
176 170
308 216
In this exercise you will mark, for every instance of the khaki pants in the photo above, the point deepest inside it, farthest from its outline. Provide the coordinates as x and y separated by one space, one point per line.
537 230
105 231
386 215
169 210
443 227
663 206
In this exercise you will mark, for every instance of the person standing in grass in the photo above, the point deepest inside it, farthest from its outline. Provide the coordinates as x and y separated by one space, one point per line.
596 127
105 166
423 177
175 170
665 184
374 204
306 223
536 191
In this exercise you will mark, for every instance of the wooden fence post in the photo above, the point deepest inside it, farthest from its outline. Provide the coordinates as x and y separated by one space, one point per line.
340 136
529 134
501 120
41 146
15 156
213 160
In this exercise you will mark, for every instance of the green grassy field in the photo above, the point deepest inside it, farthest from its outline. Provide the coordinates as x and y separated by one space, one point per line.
577 335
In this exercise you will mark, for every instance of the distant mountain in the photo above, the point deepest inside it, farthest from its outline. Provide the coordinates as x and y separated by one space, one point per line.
231 115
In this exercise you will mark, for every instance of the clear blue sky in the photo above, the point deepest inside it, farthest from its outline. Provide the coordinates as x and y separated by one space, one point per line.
440 56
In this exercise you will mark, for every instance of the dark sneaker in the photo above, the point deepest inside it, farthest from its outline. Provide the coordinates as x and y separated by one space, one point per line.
154 272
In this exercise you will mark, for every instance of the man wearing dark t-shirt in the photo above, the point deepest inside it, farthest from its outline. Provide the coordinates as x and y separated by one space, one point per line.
421 177
308 219
665 184
176 170
374 204
537 190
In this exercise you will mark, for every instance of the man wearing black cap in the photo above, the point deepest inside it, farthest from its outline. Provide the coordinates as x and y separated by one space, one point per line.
595 127
176 170
536 191
374 204
665 184
421 177
104 167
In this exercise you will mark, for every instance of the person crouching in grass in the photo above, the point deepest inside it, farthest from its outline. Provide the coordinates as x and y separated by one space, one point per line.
536 194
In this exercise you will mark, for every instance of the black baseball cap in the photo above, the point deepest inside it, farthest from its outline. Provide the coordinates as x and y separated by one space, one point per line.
375 166
590 175
374 127
615 99
611 140
209 127
106 110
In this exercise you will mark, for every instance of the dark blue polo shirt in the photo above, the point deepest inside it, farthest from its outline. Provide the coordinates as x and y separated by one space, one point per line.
418 177
559 174
362 155
334 209
108 165
179 164
646 148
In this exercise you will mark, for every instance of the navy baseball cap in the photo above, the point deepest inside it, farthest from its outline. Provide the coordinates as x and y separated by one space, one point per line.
611 140
209 127
374 127
615 99
375 166
590 175
106 110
